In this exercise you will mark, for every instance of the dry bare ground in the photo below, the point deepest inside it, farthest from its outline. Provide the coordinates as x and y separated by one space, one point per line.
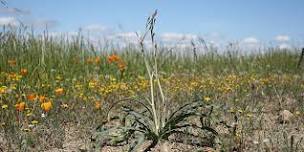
274 129
270 137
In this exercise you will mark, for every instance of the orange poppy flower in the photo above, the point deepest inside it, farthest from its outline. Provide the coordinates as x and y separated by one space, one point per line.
42 98
23 72
31 97
121 65
97 105
12 62
46 106
92 60
20 106
113 58
97 60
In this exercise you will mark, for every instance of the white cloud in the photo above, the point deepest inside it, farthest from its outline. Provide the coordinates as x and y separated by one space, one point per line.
60 35
177 37
14 11
282 38
126 37
250 40
212 42
249 44
40 23
116 39
8 21
95 28
284 46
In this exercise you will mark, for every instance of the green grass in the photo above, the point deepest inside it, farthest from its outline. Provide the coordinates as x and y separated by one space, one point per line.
68 58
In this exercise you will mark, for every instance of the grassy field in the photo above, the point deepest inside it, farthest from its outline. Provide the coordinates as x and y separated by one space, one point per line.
55 95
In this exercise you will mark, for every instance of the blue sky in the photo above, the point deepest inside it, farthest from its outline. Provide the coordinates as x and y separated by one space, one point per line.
255 20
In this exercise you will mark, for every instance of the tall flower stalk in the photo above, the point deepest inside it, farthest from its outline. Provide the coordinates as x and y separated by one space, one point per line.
153 121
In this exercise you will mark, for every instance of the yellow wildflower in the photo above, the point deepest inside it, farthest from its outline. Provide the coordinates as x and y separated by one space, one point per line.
59 91
34 122
4 106
64 106
207 99
47 106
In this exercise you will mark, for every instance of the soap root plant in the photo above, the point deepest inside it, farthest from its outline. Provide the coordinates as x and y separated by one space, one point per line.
149 118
